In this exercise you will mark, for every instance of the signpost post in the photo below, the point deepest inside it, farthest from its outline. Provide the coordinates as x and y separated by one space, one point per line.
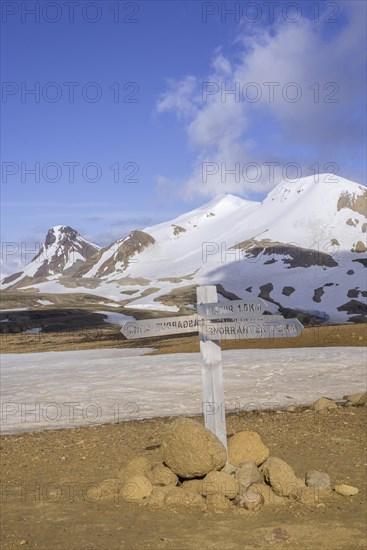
212 376
216 321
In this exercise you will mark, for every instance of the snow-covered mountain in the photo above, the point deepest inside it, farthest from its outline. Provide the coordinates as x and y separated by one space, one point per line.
302 248
63 250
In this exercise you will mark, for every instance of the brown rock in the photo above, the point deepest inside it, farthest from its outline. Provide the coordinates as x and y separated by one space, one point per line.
137 466
357 398
360 247
161 475
157 497
229 469
137 488
324 404
217 503
346 490
247 447
220 483
191 450
282 478
247 473
179 497
251 500
318 480
193 486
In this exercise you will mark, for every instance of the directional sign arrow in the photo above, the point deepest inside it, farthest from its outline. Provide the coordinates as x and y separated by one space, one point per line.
150 328
235 309
249 319
238 330
160 327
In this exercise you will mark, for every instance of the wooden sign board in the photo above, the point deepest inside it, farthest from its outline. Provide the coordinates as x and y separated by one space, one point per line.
160 327
249 329
234 309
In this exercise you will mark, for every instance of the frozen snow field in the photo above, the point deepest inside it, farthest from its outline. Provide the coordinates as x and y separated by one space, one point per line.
64 389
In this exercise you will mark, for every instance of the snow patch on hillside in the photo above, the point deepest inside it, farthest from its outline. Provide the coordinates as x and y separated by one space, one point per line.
116 318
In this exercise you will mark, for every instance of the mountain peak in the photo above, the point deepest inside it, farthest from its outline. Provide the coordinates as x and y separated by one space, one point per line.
60 232
225 200
63 247
63 242
61 229
327 185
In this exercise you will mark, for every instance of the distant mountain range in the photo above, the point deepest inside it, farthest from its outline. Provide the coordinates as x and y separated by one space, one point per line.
303 249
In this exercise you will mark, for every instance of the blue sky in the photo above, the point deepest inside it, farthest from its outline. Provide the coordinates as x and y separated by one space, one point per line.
147 94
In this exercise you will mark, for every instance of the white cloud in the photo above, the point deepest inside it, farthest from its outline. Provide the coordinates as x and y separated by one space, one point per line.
221 64
217 124
323 65
180 97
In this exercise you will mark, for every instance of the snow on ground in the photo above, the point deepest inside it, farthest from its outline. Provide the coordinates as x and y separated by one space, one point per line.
45 302
15 309
35 330
116 318
151 307
104 290
4 320
65 389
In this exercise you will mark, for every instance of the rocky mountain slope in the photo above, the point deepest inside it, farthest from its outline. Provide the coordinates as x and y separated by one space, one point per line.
63 251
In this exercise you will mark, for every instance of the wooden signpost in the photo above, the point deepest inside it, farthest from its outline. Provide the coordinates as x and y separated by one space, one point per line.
216 321
212 375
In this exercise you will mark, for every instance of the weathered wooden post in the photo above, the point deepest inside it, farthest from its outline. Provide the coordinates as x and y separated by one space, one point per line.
212 375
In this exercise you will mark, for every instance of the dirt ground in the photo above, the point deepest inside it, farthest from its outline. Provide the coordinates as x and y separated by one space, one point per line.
46 476
91 332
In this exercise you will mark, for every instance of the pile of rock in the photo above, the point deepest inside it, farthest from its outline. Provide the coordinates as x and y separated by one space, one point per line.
356 399
194 472
324 404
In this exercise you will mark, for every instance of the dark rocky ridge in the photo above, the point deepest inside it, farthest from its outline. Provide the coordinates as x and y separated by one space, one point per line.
135 243
290 254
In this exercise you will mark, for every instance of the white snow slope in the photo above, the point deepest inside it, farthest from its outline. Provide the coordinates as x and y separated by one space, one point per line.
304 214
